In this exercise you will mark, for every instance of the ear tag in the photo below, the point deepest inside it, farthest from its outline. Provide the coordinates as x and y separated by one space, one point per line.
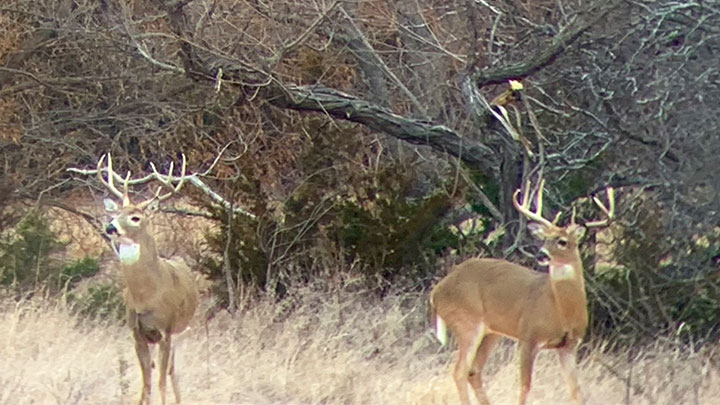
129 253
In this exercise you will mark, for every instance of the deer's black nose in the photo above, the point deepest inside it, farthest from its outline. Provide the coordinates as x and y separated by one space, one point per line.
543 257
110 229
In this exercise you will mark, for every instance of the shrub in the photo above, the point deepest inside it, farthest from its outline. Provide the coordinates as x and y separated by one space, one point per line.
658 284
77 270
394 234
103 300
30 259
26 261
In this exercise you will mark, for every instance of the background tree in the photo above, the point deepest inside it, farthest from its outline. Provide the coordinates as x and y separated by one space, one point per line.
356 133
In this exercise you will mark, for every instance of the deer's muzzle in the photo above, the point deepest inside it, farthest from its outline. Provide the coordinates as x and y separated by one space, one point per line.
110 229
543 257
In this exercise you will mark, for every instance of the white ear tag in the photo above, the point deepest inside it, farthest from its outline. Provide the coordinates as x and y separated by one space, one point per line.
562 272
129 253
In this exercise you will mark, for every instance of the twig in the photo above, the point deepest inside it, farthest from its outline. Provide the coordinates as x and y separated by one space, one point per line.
141 49
381 64
299 40
226 259
545 56
484 199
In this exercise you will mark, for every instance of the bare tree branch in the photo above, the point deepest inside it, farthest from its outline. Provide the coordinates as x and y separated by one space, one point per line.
368 50
346 107
544 57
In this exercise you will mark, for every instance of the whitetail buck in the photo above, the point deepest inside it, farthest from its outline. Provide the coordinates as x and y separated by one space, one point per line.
160 294
482 300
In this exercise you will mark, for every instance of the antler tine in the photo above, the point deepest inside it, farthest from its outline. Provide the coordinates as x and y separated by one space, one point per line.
169 178
166 180
110 182
524 208
609 212
558 215
126 185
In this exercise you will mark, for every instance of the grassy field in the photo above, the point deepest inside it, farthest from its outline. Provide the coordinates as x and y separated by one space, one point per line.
317 347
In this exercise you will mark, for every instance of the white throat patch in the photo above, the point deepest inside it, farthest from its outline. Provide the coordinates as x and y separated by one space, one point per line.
128 253
562 272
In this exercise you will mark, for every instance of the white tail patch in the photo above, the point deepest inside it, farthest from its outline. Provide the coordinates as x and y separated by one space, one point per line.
441 330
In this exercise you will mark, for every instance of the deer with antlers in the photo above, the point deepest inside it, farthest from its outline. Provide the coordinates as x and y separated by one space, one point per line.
482 300
160 294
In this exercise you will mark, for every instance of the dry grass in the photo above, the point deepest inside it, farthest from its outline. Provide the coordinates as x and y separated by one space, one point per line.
316 348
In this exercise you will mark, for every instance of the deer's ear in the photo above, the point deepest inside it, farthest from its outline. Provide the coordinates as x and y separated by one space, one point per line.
537 230
153 206
578 232
110 205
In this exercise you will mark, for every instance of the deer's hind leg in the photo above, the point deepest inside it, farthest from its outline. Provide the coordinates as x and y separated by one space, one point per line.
481 356
468 342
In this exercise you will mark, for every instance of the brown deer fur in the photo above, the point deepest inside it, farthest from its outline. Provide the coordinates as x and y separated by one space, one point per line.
481 300
160 294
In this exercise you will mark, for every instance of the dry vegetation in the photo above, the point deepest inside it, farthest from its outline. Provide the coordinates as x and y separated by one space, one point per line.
317 347
297 97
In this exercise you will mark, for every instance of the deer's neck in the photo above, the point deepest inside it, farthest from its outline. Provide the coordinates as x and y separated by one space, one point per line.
140 266
568 286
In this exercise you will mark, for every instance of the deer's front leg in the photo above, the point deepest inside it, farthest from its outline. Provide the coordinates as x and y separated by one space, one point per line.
142 349
528 351
568 359
165 348
173 375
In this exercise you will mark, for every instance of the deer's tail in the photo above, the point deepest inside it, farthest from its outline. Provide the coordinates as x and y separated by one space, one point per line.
439 325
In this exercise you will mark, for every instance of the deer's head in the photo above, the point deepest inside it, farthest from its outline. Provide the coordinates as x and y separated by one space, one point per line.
128 228
128 222
560 243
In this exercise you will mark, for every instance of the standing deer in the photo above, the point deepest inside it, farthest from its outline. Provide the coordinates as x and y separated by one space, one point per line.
482 300
160 294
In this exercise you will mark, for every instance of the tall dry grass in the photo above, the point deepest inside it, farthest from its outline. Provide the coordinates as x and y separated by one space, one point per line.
317 347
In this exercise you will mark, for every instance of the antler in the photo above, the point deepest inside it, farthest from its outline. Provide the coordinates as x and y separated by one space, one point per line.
166 180
524 207
609 212
110 183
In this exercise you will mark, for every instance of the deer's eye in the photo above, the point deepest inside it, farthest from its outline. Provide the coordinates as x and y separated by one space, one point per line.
562 242
135 219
